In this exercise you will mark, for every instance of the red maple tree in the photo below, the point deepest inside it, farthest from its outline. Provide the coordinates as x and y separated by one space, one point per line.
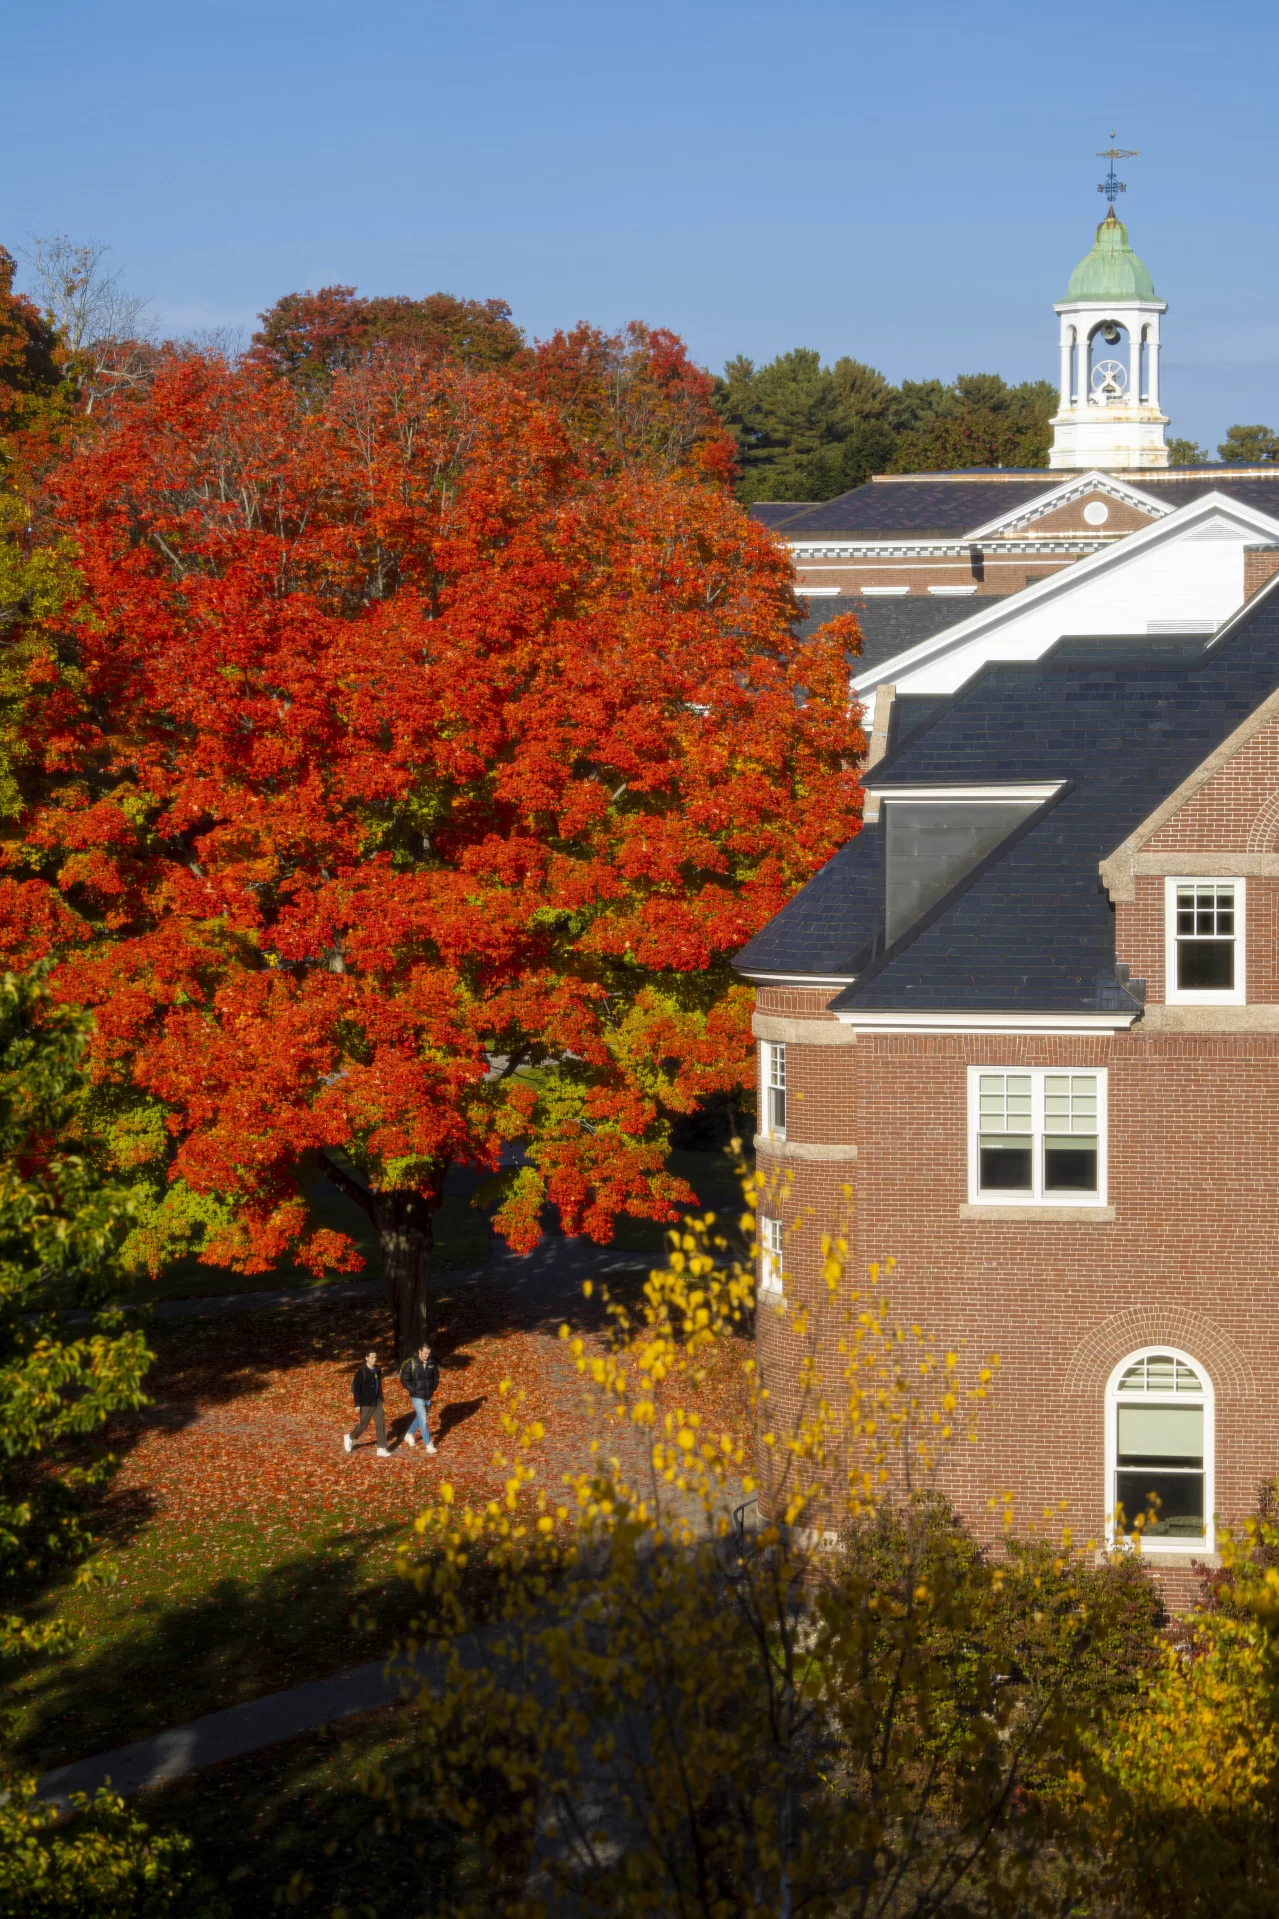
400 785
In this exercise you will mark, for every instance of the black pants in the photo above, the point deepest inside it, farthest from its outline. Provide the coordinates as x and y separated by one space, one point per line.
378 1417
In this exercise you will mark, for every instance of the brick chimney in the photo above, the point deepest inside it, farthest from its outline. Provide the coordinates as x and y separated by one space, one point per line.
1260 563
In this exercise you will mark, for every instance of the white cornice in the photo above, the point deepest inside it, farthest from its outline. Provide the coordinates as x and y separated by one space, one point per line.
813 980
1045 1024
815 551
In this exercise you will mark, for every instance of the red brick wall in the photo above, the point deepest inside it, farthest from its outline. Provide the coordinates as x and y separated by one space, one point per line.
795 1002
997 575
1237 808
1260 563
1189 1259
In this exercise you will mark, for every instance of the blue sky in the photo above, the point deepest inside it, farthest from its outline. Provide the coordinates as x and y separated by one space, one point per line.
908 183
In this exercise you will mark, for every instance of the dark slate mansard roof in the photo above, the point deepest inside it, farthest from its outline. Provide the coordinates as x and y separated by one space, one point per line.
950 509
891 625
1030 929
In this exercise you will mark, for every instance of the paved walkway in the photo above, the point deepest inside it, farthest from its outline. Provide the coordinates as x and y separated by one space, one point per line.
225 1735
543 1282
552 1275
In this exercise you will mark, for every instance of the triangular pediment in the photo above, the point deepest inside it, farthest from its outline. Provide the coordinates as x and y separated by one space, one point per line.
1088 503
1184 572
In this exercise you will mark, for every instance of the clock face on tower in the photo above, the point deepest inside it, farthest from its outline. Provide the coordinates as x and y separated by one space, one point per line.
1109 378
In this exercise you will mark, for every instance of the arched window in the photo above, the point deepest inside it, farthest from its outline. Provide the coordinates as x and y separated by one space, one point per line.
1159 1450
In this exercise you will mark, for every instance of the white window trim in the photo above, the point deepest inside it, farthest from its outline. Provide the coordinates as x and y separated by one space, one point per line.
978 1196
1186 996
767 1048
1158 1543
772 1267
975 795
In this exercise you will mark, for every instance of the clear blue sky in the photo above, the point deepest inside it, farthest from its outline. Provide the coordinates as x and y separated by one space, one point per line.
910 183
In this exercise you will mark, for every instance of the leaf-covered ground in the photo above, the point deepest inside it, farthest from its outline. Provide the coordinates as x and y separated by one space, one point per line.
252 1552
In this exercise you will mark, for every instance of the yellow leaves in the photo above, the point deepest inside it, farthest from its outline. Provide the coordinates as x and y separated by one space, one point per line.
446 1493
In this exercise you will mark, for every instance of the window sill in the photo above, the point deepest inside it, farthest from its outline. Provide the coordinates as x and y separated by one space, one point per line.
1062 1215
1193 1555
801 1148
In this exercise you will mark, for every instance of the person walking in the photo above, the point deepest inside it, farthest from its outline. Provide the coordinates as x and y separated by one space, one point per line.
366 1391
419 1376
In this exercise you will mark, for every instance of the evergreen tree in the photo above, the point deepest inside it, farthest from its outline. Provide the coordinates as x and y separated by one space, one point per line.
806 431
1250 446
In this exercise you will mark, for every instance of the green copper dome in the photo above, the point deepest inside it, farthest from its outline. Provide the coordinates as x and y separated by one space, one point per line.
1112 270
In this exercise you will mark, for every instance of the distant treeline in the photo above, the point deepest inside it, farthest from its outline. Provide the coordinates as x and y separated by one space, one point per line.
806 431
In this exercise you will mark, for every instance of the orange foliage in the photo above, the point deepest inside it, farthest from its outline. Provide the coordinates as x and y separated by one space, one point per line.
411 765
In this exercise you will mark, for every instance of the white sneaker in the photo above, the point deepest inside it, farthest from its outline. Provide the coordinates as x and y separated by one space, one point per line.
429 1447
410 1439
346 1442
384 1452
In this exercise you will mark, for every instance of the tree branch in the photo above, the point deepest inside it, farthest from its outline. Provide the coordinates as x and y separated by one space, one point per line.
345 1184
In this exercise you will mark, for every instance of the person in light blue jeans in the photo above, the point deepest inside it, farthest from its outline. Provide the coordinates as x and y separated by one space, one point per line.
420 1376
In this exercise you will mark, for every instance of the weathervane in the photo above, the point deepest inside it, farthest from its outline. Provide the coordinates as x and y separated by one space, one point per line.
1110 186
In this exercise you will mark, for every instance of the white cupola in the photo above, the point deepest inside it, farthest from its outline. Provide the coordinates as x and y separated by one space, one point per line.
1109 414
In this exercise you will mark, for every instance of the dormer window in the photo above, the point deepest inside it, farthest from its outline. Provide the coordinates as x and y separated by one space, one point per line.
1204 932
934 836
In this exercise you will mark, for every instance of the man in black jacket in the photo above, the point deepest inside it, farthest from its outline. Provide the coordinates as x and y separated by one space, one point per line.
419 1377
366 1391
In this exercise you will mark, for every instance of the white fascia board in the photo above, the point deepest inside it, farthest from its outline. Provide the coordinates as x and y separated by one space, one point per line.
797 979
1059 585
1094 481
1015 790
810 552
1060 1024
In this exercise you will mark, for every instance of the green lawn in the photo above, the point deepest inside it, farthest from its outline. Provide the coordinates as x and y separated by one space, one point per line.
178 1637
199 1622
293 1828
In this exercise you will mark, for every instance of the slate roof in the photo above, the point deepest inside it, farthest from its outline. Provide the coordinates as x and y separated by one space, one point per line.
928 509
890 625
771 513
1031 928
924 509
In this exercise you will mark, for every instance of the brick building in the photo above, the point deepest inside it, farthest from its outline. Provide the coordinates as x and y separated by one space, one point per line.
1029 1018
913 553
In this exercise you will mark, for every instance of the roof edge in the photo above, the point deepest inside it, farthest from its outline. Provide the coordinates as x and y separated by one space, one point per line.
1119 869
1057 584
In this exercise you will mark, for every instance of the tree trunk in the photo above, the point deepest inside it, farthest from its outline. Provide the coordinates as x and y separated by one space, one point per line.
404 1222
406 1235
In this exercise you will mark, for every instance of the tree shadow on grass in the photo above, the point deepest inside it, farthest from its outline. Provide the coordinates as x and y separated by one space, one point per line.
173 1660
295 1816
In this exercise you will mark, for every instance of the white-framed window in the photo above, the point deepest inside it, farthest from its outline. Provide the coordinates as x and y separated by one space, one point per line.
1036 1136
1204 944
1160 1451
770 1258
773 1090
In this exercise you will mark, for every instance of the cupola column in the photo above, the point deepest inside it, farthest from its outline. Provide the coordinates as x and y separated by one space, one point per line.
1134 364
1152 359
1067 340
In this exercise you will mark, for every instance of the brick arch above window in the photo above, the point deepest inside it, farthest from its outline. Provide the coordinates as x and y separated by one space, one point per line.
1265 827
1095 1358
